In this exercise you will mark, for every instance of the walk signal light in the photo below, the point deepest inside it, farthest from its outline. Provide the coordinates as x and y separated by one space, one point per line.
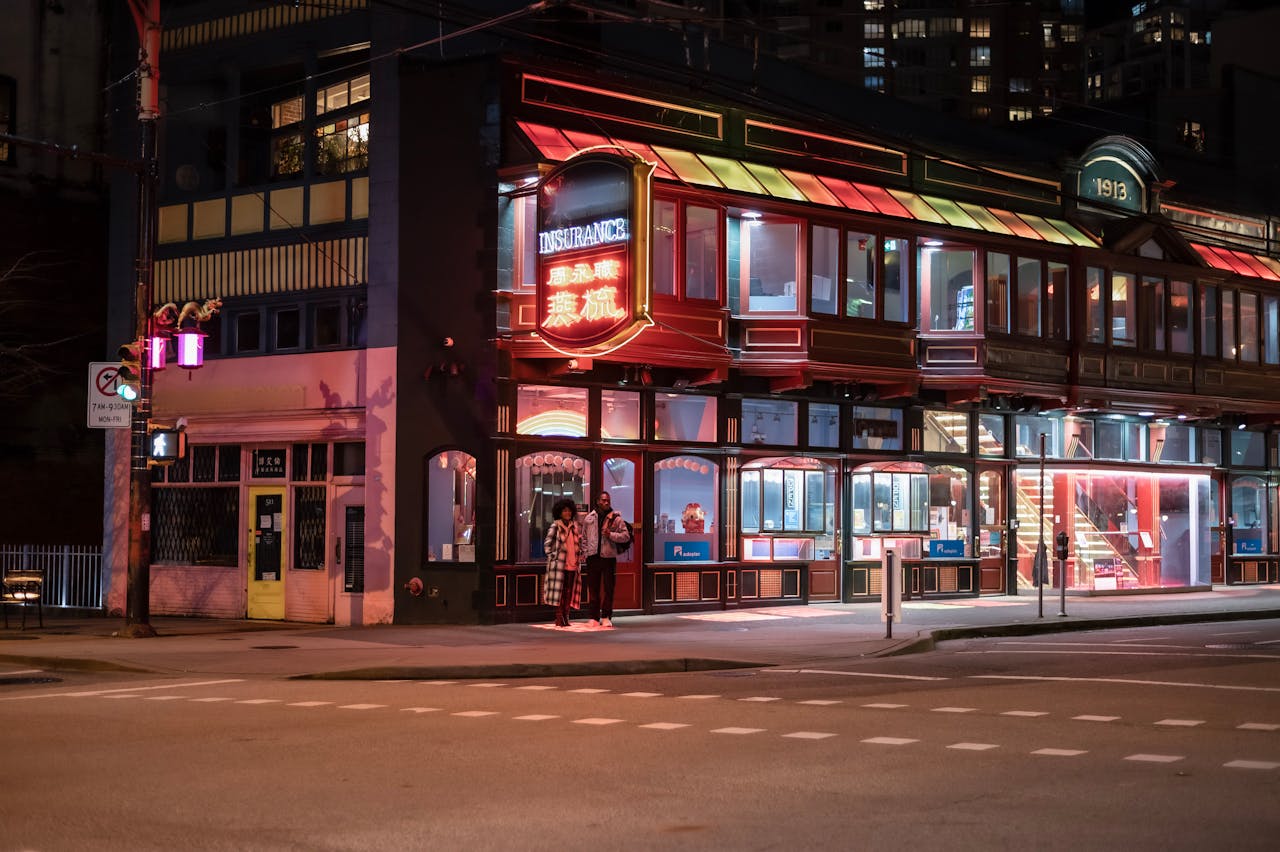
129 373
166 444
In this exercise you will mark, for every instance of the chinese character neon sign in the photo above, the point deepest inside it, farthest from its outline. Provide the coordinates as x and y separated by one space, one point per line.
593 252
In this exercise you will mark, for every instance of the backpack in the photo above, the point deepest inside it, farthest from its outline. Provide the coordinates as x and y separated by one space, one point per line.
624 546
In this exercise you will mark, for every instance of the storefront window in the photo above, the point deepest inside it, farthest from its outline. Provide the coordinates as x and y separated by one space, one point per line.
1180 338
664 248
997 292
1248 448
1171 443
876 428
684 417
551 410
897 279
1123 327
686 491
451 506
543 478
788 509
949 521
946 288
763 262
1249 515
620 482
1030 292
1208 320
824 270
946 432
769 421
860 275
1119 439
824 425
890 501
1095 312
1127 530
1079 432
1027 430
991 435
619 415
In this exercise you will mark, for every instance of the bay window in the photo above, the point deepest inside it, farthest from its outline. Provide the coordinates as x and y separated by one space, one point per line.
947 296
763 262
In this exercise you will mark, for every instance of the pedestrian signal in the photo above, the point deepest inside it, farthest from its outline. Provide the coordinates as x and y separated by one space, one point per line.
129 373
166 445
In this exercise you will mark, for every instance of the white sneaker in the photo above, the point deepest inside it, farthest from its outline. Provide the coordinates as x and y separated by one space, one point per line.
593 624
606 623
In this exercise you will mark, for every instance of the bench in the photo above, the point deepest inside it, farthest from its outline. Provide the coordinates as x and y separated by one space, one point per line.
22 587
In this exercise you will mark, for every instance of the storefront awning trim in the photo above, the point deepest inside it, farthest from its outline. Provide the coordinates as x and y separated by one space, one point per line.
676 165
1239 262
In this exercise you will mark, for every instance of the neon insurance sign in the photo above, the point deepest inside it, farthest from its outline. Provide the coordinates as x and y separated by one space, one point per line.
593 252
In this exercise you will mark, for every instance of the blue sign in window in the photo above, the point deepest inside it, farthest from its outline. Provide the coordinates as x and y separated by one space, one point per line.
1249 545
946 548
687 551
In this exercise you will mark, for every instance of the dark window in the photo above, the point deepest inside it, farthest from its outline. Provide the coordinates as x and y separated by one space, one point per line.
229 463
328 326
196 526
249 332
319 462
8 92
299 467
203 460
288 329
348 459
308 525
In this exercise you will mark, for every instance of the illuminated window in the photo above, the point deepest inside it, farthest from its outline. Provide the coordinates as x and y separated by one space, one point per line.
1019 113
1071 33
945 26
1123 318
763 262
551 410
910 28
343 94
700 259
1208 320
450 502
861 274
770 421
1030 292
1191 135
1152 311
875 428
897 279
998 278
619 415
873 83
686 492
542 479
685 417
791 495
343 145
980 28
946 431
980 83
1249 328
1019 85
872 30
1050 39
873 5
824 425
980 57
1229 350
947 288
1180 336
873 57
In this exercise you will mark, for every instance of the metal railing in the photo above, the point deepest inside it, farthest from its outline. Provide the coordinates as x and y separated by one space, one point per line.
72 573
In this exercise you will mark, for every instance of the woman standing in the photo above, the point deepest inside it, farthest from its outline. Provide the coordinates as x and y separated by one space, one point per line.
563 547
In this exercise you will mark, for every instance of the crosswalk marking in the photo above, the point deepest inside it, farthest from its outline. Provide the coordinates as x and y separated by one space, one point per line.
309 703
664 726
1181 723
808 735
536 717
1251 764
597 721
973 746
1027 713
1059 752
890 741
360 706
737 730
1258 726
476 714
1096 718
1155 758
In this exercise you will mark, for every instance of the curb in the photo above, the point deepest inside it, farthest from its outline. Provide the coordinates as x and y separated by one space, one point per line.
531 670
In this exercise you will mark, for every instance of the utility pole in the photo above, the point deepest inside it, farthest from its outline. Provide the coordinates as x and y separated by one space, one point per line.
137 614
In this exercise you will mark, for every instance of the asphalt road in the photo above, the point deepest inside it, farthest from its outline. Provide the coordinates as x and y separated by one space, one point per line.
1158 738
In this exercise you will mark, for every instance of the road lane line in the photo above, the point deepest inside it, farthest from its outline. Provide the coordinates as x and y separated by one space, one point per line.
1088 718
895 741
487 685
260 701
1258 726
664 726
597 721
309 703
1059 752
416 709
809 735
93 692
973 746
1027 713
539 687
1180 723
360 706
1083 653
760 698
1251 764
535 717
1131 681
819 702
1155 758
589 691
641 694
884 706
870 674
737 731
953 709
475 714
697 697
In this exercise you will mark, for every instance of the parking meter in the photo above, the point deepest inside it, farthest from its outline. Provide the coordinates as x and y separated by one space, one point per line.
1062 545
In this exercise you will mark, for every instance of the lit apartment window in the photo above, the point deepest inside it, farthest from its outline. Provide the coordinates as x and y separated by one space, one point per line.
287 148
980 83
979 28
980 57
945 26
1019 84
1071 33
874 83
1019 113
1191 135
343 94
910 28
873 5
873 29
873 57
1050 38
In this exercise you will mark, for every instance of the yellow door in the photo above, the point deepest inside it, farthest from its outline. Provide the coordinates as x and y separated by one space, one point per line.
266 553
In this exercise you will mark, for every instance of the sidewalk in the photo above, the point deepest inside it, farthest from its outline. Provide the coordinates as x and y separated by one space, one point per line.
812 636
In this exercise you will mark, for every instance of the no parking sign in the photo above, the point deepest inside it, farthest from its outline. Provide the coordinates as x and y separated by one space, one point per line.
106 410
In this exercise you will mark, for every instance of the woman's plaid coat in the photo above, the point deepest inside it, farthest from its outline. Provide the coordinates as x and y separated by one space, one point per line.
556 548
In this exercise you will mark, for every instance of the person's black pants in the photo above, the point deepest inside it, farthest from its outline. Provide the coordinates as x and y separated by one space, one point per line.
602 577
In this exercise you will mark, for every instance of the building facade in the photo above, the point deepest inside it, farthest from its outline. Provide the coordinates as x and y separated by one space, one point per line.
792 345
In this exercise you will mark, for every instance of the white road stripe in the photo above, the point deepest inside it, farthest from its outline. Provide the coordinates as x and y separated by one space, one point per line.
760 698
870 674
1059 752
889 741
165 697
973 746
953 710
1155 758
1236 633
418 709
536 717
1087 718
588 691
1028 713
809 735
1251 764
210 700
737 730
641 694
1258 726
698 697
309 703
361 706
540 687
436 682
884 706
1131 681
1213 654
83 694
1181 723
487 685
476 714
664 726
22 672
597 721
121 696
260 701
819 702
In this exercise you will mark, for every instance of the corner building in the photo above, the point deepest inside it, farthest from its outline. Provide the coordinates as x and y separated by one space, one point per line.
782 342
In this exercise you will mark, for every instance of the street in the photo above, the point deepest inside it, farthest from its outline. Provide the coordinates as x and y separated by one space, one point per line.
1154 738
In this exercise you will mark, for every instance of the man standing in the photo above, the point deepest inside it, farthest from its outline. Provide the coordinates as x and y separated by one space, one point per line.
602 531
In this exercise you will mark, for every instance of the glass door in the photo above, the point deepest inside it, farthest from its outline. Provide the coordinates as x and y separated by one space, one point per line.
992 530
619 476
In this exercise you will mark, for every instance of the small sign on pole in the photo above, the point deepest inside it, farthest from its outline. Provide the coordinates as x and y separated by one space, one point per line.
106 410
